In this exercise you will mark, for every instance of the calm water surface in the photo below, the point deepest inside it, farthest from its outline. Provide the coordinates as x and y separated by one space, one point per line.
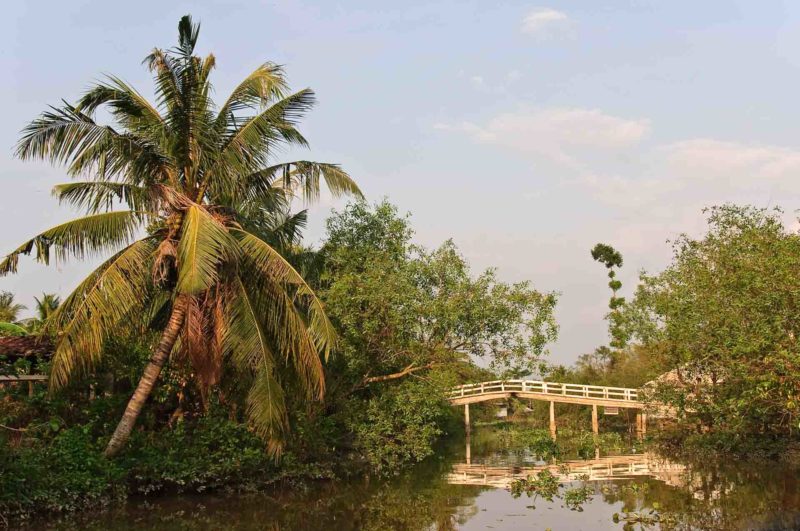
453 491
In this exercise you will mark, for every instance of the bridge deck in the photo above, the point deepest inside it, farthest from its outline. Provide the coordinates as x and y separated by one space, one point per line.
549 391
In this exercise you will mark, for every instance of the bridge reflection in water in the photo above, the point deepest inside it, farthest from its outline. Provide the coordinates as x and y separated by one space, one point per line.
601 468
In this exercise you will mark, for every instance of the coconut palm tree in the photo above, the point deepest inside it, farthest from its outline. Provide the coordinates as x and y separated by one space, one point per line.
45 307
197 180
9 309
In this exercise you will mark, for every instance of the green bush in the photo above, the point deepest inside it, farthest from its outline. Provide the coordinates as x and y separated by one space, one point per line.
67 474
400 425
209 453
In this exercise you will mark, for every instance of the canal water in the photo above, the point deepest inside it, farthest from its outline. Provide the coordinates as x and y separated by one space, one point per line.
620 487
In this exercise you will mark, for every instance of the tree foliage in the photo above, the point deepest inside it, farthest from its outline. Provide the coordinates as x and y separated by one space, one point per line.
400 305
9 308
195 247
725 313
611 258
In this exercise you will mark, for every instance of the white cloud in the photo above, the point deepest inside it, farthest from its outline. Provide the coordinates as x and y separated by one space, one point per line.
706 158
555 132
493 85
477 81
542 19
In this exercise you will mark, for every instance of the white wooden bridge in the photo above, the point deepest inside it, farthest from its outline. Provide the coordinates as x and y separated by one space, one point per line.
553 392
549 391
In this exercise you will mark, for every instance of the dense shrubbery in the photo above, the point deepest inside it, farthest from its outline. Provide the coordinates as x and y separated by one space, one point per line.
400 426
64 474
64 470
408 321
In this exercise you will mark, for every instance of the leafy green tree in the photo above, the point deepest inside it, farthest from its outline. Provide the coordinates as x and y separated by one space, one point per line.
402 308
198 179
611 258
725 314
412 323
9 309
400 424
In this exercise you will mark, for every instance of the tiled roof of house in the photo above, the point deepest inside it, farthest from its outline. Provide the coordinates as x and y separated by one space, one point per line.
26 346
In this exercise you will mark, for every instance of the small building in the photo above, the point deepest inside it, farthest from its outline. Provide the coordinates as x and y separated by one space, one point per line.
35 349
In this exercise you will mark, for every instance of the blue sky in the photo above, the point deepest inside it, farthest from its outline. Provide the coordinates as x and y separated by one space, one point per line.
525 131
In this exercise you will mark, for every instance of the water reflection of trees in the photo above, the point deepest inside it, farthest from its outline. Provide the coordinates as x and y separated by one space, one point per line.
704 495
421 500
716 497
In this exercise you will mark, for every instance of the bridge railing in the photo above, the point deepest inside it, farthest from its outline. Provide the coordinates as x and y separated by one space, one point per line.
547 388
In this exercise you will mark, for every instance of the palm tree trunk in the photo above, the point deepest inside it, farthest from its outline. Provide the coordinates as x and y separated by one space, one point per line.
149 377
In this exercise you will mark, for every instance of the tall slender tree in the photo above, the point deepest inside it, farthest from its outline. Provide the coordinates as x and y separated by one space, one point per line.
611 258
194 177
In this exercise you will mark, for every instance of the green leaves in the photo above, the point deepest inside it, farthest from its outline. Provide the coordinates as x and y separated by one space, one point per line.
204 244
113 292
725 313
193 178
275 268
398 304
83 237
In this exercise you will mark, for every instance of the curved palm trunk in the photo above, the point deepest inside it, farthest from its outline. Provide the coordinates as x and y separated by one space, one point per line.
149 377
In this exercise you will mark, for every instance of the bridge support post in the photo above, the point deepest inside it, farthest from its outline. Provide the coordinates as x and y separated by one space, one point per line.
641 424
466 419
595 424
553 420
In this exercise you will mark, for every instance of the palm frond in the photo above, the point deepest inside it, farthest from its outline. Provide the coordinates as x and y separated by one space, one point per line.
65 135
294 334
285 229
270 263
302 178
265 84
80 238
188 32
127 106
204 244
167 76
247 345
96 196
266 410
245 340
248 145
112 293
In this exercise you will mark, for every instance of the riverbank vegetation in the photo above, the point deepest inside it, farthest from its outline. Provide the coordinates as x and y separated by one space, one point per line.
214 349
234 355
714 336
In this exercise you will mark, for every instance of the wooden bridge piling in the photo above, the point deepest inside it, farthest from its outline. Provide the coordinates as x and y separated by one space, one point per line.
553 420
641 425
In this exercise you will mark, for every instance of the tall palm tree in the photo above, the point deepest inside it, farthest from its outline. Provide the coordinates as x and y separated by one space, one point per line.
45 307
195 177
9 310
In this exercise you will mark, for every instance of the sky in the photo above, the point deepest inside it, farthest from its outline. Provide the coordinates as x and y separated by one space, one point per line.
526 132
